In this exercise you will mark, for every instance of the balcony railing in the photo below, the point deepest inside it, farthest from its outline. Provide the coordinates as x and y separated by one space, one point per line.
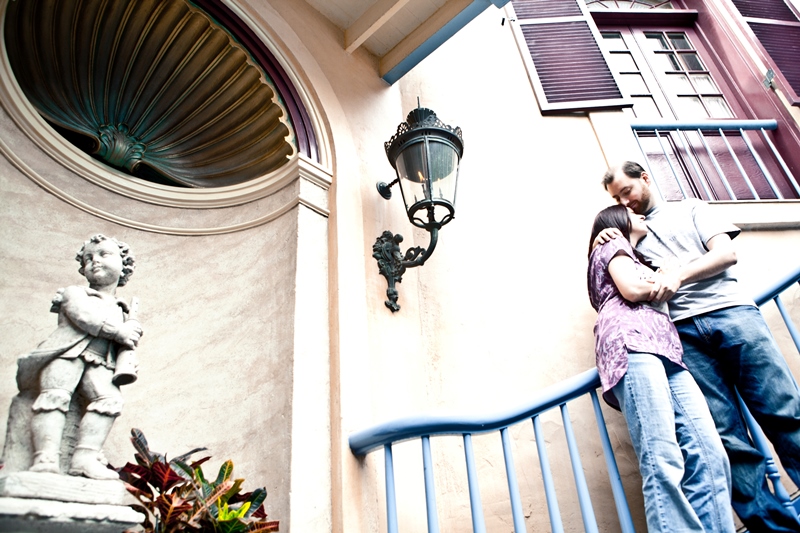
715 160
557 396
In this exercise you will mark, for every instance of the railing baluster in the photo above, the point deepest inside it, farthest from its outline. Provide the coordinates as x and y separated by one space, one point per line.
761 444
478 523
391 499
547 477
513 487
780 160
585 500
647 163
684 141
738 164
717 167
621 502
788 321
669 162
761 165
430 490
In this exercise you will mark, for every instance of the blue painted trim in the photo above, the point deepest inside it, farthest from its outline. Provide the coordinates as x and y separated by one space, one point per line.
440 37
706 125
513 486
430 489
363 442
391 498
623 512
584 498
478 523
556 524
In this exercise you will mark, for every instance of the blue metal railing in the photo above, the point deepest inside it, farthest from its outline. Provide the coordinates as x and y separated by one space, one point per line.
558 395
676 145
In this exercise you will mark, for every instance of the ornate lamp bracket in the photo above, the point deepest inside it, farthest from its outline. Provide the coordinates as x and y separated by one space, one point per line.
392 264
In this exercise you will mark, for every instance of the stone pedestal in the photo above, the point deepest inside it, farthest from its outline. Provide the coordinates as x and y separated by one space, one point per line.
39 502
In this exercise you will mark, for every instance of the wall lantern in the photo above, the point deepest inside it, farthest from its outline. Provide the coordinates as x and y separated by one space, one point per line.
425 153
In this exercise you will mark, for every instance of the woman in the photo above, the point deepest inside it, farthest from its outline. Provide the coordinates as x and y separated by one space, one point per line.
685 472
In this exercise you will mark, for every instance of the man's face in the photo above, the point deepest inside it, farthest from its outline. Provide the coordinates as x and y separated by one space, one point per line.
102 263
633 193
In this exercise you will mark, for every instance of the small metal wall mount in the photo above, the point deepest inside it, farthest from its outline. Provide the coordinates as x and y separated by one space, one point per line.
426 154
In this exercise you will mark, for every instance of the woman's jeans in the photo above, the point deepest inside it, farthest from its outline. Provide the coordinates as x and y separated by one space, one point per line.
685 473
733 347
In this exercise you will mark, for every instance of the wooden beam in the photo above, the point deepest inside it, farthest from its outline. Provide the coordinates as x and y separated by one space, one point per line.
432 33
371 21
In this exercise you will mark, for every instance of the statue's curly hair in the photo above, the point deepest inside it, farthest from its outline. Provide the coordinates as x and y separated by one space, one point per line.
128 261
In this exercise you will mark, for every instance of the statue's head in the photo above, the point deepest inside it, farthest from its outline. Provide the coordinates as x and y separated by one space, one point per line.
128 261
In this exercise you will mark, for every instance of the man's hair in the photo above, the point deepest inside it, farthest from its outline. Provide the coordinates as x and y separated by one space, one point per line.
629 168
128 261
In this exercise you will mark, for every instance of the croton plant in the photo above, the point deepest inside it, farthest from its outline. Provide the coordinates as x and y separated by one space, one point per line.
176 496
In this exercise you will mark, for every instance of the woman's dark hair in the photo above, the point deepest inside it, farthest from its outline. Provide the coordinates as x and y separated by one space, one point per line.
615 216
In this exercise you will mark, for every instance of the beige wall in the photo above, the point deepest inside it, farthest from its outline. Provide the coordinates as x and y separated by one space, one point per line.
271 348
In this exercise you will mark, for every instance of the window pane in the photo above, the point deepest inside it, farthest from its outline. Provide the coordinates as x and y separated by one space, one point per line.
704 83
645 107
613 41
690 107
622 62
717 107
656 41
692 61
679 83
679 41
666 63
632 84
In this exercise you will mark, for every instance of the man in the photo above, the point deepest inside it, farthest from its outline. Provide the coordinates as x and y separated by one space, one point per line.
727 345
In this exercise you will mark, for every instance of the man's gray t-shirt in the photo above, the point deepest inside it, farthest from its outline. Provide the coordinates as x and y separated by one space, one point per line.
679 232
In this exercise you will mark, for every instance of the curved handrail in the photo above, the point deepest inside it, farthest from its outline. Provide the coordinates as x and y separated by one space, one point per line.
775 289
362 442
369 439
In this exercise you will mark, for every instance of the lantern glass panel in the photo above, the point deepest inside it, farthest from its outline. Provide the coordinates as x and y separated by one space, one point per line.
428 170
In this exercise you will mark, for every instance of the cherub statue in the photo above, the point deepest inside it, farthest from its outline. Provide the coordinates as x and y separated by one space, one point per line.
94 330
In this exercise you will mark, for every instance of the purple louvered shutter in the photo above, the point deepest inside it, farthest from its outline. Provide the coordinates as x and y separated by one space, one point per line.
570 69
780 37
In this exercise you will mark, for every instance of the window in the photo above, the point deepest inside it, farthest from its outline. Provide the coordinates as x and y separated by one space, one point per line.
664 74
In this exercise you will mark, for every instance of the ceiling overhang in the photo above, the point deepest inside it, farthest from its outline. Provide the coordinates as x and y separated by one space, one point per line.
401 33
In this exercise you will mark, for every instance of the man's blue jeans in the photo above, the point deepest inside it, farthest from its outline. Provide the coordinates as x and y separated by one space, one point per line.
685 473
733 347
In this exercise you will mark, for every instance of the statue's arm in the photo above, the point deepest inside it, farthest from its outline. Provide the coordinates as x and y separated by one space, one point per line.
92 315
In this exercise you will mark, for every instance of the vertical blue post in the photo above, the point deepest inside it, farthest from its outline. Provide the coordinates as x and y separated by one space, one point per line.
761 444
547 478
513 487
621 502
478 523
430 490
391 499
587 511
787 319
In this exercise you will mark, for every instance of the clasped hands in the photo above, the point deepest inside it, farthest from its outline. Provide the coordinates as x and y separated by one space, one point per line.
665 281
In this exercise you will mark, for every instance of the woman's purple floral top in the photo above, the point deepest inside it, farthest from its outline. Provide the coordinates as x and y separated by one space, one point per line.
624 326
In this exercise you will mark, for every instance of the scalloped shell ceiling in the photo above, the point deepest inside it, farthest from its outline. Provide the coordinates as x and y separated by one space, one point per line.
152 87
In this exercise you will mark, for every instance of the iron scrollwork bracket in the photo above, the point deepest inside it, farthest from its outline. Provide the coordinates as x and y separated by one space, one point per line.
392 263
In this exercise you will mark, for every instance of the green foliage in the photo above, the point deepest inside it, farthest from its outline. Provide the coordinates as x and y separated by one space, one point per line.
176 496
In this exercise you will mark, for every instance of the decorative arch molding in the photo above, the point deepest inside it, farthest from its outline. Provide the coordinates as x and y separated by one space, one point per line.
302 181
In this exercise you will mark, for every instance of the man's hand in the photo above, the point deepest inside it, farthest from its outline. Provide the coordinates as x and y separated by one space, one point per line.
605 236
670 283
